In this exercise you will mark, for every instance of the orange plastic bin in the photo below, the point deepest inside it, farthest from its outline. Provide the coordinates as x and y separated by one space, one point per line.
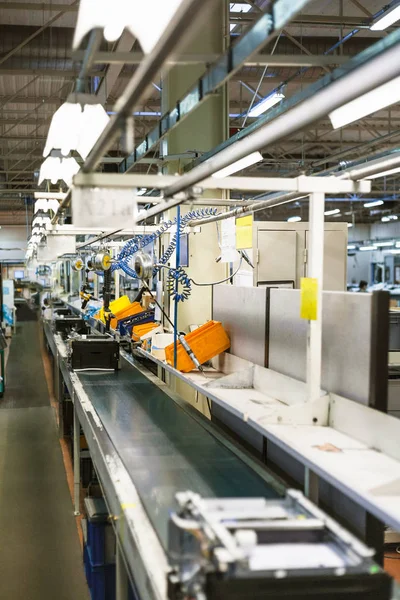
207 341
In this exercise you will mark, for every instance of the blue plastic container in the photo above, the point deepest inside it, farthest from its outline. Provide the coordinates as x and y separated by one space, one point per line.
100 579
96 542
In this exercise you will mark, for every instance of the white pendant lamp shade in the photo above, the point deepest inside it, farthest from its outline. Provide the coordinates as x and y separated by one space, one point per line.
56 169
146 20
76 125
45 205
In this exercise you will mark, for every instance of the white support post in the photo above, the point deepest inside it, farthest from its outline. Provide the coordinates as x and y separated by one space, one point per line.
77 463
315 270
116 280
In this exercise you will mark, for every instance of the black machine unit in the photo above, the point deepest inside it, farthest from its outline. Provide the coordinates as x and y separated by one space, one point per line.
242 548
64 325
63 312
94 352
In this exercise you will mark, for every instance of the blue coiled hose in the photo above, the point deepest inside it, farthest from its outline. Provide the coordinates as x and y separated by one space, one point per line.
139 242
179 275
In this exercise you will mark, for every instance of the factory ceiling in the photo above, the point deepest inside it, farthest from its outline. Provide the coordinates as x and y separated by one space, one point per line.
38 70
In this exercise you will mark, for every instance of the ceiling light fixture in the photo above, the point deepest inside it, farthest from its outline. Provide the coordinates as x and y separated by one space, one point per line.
247 161
330 213
384 173
371 247
76 125
385 219
55 169
384 244
266 104
373 203
349 224
351 247
146 21
294 219
386 19
377 99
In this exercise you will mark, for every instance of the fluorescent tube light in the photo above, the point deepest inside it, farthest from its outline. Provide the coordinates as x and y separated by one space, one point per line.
238 7
387 18
383 244
377 99
351 247
384 173
385 219
373 203
334 211
393 217
368 248
266 104
294 219
393 251
349 224
247 161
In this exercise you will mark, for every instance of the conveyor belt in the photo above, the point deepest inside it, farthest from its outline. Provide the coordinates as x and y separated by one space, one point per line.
164 449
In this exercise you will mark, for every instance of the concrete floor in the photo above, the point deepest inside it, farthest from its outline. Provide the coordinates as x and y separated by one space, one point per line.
40 555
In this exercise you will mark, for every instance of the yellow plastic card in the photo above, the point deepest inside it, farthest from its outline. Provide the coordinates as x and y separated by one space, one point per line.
244 233
309 298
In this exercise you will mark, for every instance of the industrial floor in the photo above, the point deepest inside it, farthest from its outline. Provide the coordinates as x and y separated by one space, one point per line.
40 554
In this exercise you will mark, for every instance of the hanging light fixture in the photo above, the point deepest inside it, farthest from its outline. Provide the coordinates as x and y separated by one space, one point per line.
387 18
76 125
266 103
56 168
47 205
239 165
376 99
146 21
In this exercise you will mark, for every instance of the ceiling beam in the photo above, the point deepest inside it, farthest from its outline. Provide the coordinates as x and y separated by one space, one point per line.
35 34
40 6
282 60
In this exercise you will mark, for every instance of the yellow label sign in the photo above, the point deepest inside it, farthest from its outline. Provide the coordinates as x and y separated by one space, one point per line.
244 233
309 298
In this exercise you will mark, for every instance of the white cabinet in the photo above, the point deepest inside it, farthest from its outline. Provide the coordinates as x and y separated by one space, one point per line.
281 253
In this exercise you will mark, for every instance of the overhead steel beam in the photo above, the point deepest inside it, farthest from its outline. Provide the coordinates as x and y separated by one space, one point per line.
362 59
53 73
258 60
263 31
39 6
372 68
35 34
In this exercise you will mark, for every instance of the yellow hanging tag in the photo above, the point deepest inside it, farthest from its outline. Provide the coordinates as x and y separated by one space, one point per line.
309 298
244 233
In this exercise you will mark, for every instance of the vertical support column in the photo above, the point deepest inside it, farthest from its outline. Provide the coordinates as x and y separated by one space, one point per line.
77 463
121 576
116 282
315 271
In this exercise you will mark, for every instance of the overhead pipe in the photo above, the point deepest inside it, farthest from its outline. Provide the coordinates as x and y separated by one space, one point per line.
179 30
362 79
276 200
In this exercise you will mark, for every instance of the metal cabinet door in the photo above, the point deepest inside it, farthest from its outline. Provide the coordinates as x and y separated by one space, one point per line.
278 254
335 260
